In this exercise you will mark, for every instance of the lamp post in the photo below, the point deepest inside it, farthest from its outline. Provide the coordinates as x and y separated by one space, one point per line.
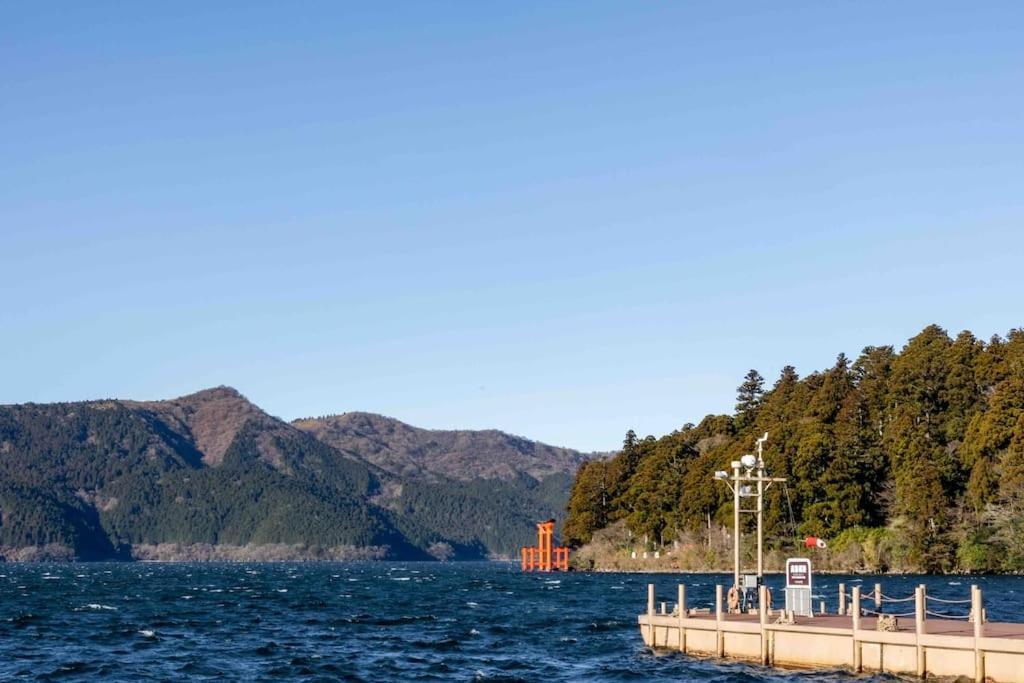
747 471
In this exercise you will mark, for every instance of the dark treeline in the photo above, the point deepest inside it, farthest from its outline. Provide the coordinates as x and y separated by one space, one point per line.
909 460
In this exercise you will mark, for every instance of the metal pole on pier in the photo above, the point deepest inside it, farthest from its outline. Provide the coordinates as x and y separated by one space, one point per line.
736 524
746 471
760 509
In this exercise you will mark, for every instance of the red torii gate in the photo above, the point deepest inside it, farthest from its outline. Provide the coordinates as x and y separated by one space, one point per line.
545 557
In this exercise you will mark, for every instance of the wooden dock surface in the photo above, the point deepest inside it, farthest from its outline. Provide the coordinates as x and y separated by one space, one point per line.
932 626
933 646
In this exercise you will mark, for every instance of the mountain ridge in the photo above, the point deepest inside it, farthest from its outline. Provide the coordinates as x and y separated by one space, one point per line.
180 478
461 454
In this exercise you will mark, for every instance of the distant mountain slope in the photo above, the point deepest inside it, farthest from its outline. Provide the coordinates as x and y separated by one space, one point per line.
464 455
212 475
100 478
483 490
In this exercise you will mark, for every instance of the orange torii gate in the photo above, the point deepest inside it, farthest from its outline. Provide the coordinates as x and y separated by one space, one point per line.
545 557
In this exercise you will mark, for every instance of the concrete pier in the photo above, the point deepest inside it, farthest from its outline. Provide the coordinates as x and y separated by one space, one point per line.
919 646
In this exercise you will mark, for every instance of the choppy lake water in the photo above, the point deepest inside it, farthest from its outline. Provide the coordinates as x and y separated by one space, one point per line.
373 622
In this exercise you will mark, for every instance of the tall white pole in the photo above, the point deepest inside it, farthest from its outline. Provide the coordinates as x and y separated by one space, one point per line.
736 524
760 508
760 530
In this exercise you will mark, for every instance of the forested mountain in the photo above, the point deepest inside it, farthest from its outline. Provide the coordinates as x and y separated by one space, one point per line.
433 454
909 460
485 490
212 475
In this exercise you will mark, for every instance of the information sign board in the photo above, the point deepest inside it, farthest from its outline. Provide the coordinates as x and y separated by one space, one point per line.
798 586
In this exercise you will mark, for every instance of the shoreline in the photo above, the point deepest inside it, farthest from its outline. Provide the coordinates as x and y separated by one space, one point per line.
781 572
381 560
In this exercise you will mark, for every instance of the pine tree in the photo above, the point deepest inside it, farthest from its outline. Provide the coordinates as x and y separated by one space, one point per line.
588 503
962 393
981 487
749 396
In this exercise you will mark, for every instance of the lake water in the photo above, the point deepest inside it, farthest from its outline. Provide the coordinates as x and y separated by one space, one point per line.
372 621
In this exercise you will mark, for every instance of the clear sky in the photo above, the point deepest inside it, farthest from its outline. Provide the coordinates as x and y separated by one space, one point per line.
563 219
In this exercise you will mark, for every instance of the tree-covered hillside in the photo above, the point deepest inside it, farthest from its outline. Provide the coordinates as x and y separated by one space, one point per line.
210 475
910 460
484 489
100 478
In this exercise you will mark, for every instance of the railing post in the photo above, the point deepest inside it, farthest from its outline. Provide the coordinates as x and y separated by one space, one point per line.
718 620
919 607
650 612
842 599
682 617
977 610
762 615
878 597
857 663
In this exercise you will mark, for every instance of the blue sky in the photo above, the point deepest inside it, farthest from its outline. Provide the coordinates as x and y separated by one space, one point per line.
563 220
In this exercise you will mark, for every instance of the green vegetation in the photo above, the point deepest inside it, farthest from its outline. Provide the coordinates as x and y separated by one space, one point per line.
211 476
99 478
481 517
905 461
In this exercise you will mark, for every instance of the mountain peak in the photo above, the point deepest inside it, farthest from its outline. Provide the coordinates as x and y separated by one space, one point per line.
405 450
212 416
217 393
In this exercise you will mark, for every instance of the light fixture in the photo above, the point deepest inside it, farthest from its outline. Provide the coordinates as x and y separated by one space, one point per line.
721 474
748 461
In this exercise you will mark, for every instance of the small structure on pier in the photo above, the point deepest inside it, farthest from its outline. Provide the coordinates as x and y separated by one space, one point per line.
746 472
545 556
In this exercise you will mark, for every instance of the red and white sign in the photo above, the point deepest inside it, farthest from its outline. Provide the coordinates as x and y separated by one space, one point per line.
815 542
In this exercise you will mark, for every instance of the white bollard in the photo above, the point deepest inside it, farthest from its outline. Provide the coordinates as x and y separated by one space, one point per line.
682 617
919 608
718 620
857 663
978 611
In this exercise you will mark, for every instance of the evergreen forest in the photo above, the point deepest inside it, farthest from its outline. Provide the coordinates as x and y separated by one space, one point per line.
908 460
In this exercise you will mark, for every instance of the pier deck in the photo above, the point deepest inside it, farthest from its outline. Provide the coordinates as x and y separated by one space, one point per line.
945 627
992 651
